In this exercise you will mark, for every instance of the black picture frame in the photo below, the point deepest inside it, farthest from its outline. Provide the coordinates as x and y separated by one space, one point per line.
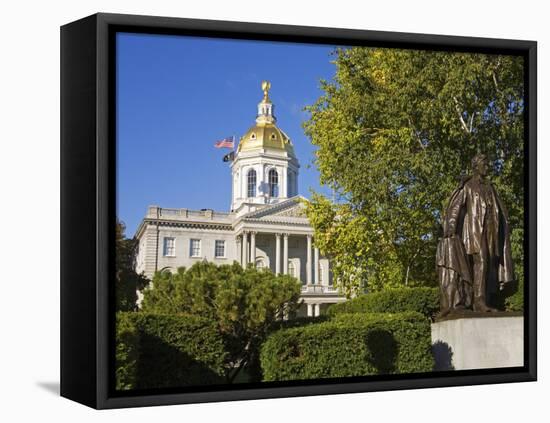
88 200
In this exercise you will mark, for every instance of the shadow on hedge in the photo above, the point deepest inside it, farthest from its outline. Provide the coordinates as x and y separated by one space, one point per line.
383 350
162 365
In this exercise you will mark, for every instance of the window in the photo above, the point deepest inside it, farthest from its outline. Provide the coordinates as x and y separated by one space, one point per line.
251 183
291 269
273 183
195 248
219 249
169 249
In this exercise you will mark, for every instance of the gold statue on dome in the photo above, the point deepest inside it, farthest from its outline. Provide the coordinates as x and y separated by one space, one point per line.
266 86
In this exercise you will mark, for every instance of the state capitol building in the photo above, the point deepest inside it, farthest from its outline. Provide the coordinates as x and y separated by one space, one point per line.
266 226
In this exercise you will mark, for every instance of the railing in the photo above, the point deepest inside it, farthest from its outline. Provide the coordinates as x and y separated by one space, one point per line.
172 212
154 212
319 289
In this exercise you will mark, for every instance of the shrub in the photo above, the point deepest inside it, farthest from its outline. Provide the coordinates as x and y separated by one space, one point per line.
127 347
515 302
349 345
254 370
422 300
297 322
514 295
161 350
243 302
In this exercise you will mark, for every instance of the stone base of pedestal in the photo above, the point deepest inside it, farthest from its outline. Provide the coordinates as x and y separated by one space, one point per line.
478 341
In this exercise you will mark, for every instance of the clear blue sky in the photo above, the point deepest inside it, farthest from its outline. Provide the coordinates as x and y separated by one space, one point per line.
177 95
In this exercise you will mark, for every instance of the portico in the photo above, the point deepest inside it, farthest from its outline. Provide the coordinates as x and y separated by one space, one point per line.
278 237
246 250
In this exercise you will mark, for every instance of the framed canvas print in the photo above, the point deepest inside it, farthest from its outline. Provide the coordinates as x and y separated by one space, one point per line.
256 211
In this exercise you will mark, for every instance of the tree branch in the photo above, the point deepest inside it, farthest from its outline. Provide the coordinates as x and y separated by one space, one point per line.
415 132
472 121
464 126
494 74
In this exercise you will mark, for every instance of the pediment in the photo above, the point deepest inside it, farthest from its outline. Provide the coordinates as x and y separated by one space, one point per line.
291 208
297 210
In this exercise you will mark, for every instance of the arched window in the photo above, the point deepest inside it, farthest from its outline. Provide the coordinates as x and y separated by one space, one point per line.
291 269
251 183
273 177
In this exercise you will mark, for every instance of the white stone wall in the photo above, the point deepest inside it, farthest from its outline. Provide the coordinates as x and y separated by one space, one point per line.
146 254
182 256
265 248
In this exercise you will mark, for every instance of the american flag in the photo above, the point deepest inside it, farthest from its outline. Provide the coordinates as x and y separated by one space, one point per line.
225 143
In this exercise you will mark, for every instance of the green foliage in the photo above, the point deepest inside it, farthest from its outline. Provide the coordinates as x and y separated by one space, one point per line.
516 301
422 300
243 302
394 131
127 351
349 345
160 351
127 281
297 322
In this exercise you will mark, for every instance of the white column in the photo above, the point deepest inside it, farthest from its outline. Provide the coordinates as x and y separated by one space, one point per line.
310 310
253 248
316 264
245 249
239 249
277 254
285 254
317 309
308 261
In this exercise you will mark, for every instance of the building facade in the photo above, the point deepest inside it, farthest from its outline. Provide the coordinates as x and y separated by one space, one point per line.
266 225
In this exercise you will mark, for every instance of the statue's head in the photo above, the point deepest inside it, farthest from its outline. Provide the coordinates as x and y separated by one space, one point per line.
480 164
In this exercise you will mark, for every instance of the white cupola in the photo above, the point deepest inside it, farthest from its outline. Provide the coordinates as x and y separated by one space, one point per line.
265 168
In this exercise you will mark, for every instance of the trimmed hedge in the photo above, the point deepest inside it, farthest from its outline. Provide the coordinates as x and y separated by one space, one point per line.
421 299
127 347
161 350
253 369
297 322
349 345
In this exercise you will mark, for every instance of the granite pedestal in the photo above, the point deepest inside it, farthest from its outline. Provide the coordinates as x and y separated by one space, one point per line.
478 341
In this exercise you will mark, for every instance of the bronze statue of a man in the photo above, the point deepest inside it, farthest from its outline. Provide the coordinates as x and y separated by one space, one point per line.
474 256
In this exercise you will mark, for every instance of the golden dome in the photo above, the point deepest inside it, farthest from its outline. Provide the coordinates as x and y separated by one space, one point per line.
265 134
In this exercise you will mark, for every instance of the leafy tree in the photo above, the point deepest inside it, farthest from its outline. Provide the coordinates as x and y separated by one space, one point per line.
245 303
127 281
394 130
